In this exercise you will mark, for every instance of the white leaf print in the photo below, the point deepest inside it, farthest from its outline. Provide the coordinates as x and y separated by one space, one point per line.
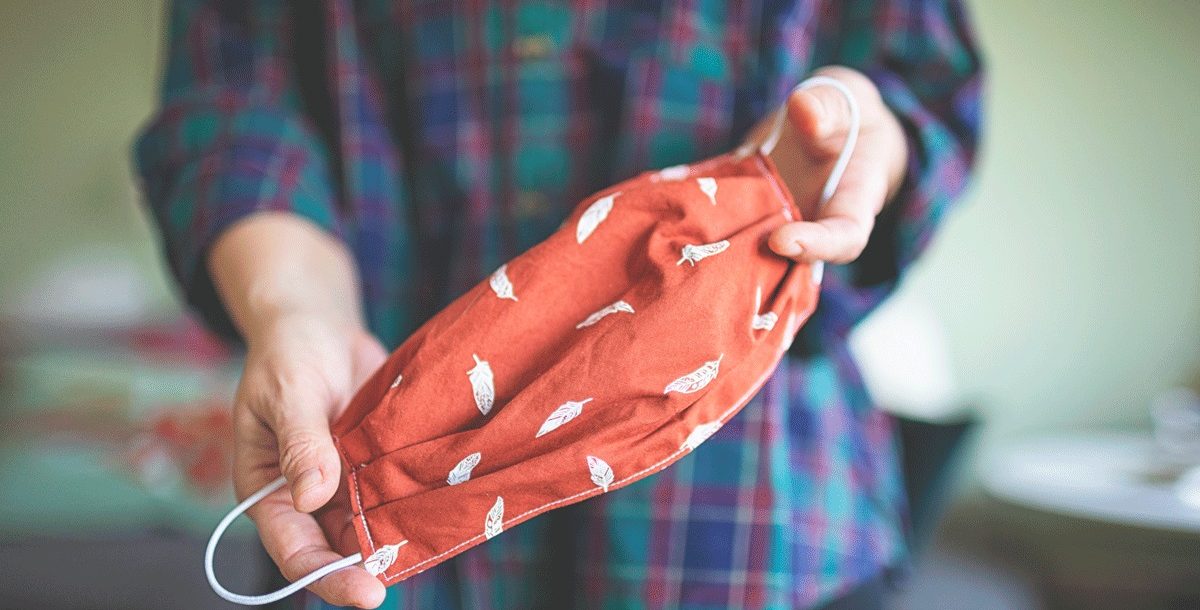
608 309
462 472
699 434
382 559
675 172
500 283
602 474
818 271
593 216
764 321
395 383
709 186
482 384
697 379
564 413
492 525
692 253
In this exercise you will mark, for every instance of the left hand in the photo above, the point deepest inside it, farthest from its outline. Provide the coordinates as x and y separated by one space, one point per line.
817 125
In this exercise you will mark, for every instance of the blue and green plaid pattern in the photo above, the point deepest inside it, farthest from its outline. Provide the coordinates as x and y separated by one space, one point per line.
439 139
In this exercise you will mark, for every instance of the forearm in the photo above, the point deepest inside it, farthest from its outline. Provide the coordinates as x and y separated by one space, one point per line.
275 266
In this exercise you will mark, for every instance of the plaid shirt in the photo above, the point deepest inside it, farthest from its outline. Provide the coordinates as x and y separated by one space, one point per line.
439 139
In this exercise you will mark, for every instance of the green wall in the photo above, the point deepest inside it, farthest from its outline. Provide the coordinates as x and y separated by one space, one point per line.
1068 282
77 79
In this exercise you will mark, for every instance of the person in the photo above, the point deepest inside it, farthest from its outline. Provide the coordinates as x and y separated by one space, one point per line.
326 176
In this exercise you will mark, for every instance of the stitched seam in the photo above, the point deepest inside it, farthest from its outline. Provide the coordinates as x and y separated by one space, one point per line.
362 514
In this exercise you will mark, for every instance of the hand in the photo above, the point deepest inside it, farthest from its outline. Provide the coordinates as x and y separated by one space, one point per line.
292 291
299 376
818 120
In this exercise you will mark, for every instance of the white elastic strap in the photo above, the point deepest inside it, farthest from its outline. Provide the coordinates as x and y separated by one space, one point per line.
258 600
843 159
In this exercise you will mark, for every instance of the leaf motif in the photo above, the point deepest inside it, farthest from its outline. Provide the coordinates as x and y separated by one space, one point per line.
564 413
675 172
692 253
500 283
593 216
602 473
482 384
493 524
606 310
462 471
382 559
697 379
709 186
699 434
764 321
395 383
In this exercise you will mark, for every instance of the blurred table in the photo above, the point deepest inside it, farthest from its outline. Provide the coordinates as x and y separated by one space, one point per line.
1118 477
1095 520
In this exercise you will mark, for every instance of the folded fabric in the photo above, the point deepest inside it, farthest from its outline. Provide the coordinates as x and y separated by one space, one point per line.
601 356
597 358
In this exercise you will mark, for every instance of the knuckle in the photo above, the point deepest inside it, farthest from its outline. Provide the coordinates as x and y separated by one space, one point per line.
295 564
861 228
272 393
299 451
852 251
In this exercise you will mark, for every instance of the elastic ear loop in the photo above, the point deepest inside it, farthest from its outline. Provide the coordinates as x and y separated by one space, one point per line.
839 168
258 600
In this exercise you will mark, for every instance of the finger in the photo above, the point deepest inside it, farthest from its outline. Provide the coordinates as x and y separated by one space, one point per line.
836 240
821 115
307 456
842 227
298 546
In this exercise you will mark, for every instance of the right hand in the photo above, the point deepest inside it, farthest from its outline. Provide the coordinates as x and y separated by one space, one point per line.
292 290
300 373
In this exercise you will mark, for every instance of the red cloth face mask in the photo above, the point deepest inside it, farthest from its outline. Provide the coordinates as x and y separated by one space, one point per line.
597 358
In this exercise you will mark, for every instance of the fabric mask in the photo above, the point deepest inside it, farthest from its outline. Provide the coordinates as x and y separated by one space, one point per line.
597 358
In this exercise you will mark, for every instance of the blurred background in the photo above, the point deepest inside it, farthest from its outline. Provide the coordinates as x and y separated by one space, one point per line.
1040 356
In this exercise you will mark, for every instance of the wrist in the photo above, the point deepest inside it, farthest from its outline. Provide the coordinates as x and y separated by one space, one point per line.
273 269
285 324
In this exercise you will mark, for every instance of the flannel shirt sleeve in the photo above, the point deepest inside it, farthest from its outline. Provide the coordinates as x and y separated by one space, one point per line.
923 58
230 139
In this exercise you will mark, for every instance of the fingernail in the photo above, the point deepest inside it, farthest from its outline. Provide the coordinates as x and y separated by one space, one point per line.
307 479
794 249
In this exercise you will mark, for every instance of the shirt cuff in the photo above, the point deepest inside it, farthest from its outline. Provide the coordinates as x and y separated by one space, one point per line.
204 171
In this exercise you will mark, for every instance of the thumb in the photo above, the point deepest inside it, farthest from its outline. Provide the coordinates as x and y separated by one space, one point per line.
308 458
821 115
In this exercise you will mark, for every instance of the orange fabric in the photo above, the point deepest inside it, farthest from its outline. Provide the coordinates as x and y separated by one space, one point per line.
612 348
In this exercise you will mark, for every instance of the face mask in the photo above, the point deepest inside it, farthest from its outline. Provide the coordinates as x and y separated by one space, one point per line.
597 358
